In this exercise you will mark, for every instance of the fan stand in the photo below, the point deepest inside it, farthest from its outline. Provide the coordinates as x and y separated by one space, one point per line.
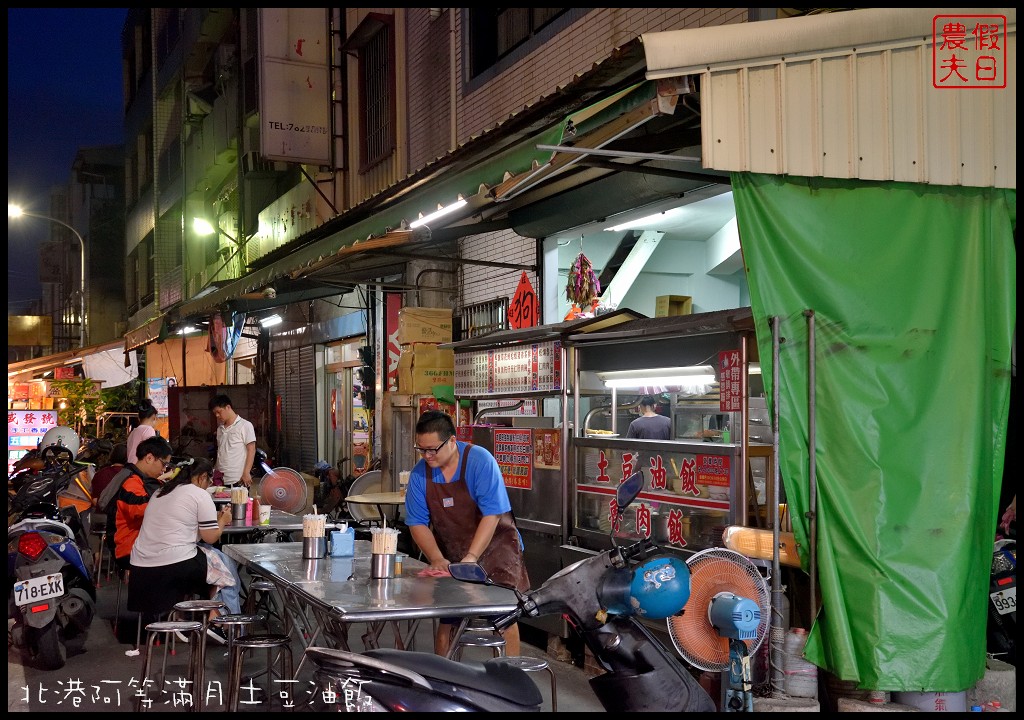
739 696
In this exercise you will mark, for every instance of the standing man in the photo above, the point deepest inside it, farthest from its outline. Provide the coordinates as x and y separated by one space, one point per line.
458 510
236 442
650 425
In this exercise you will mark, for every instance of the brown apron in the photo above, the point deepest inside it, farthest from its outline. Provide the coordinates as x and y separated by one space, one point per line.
454 518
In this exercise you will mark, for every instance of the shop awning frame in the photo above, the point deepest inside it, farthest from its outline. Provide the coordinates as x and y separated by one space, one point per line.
26 370
505 151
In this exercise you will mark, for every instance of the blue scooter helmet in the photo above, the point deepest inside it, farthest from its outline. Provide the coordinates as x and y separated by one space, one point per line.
660 588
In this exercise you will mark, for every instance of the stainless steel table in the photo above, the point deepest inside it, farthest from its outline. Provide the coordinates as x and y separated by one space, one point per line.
338 593
280 521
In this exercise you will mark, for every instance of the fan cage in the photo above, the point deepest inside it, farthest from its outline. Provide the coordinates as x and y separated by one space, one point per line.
284 489
714 571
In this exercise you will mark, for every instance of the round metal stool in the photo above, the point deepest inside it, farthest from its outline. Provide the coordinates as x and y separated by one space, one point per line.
481 638
204 608
261 597
194 631
266 642
232 625
531 664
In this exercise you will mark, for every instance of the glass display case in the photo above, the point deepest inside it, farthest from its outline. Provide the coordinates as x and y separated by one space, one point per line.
687 500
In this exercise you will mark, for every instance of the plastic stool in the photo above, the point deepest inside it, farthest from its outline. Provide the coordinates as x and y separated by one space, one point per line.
197 638
532 664
481 638
204 607
257 642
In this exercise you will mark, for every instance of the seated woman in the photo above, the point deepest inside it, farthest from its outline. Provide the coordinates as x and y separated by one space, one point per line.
166 564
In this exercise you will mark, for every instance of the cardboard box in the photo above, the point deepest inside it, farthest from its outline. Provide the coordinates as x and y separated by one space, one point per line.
423 365
424 325
668 305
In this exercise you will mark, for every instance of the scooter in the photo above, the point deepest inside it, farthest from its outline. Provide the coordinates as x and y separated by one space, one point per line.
51 593
602 595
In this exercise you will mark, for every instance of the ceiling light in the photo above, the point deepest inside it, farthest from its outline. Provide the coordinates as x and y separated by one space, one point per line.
271 320
441 211
188 329
649 220
694 375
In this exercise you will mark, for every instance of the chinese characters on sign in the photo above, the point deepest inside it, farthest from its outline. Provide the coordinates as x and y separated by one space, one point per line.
522 311
730 382
525 368
25 428
969 51
513 449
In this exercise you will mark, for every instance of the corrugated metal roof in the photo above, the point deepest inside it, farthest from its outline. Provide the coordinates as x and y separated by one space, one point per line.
844 95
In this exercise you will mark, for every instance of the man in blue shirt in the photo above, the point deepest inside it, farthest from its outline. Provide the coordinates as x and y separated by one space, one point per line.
458 510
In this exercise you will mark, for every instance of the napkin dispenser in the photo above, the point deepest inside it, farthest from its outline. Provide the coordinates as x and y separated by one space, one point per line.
343 542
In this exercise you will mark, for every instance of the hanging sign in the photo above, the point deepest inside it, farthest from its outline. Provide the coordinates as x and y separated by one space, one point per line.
64 373
524 368
523 310
730 384
513 449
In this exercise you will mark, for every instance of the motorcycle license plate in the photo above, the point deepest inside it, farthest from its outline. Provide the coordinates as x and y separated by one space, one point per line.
40 588
1005 601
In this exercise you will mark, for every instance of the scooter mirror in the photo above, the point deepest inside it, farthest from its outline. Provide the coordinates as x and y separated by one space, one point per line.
469 572
628 490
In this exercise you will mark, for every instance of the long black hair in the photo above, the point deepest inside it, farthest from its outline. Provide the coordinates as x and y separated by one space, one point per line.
188 469
146 409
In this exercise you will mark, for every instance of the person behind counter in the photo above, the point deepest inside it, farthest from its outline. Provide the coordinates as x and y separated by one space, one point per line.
457 509
650 425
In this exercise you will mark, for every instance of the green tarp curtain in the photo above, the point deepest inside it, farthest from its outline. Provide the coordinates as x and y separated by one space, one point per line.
913 294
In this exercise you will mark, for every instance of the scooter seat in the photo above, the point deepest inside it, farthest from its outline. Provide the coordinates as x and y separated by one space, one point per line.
503 681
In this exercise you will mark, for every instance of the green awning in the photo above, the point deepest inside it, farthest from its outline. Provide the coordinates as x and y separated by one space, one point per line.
473 176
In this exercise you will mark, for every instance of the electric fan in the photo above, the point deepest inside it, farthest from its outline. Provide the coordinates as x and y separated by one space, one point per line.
284 489
725 620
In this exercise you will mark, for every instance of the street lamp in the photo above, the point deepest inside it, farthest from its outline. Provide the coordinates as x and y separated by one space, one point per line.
16 211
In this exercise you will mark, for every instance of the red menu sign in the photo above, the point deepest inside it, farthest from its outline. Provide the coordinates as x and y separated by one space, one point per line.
730 383
513 449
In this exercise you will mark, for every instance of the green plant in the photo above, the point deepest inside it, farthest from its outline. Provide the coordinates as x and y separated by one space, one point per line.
79 403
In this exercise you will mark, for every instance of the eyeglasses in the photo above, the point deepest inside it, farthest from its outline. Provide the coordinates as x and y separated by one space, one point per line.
430 452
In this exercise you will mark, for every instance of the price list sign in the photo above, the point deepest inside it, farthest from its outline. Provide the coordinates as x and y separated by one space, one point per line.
513 449
524 368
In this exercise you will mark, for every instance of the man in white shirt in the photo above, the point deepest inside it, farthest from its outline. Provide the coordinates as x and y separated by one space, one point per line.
236 442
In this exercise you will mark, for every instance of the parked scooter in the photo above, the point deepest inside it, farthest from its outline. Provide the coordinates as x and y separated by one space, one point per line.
51 594
602 595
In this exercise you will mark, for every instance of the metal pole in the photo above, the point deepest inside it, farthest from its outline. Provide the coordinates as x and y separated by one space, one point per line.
81 291
778 627
812 496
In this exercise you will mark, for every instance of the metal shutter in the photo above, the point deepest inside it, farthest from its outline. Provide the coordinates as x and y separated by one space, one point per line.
295 383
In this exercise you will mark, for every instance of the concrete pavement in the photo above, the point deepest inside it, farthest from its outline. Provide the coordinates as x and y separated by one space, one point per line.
104 675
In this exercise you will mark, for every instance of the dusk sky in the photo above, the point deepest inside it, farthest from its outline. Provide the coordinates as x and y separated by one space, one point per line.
63 92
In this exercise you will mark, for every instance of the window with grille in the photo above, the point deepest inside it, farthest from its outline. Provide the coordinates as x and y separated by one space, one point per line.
496 32
373 42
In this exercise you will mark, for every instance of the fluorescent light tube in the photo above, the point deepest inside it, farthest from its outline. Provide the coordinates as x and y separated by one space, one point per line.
440 212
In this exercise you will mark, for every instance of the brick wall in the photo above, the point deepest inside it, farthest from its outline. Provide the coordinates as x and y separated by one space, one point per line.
428 103
481 283
573 51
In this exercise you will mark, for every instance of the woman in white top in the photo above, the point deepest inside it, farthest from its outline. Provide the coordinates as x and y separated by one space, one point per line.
166 564
146 428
